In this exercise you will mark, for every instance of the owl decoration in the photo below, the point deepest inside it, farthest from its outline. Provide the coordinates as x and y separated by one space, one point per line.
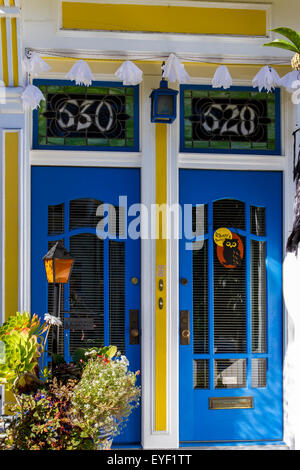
231 252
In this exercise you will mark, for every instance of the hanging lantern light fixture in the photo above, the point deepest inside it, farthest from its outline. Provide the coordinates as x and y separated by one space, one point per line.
163 104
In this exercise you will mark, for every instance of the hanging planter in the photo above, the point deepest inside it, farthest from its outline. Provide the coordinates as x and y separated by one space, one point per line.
293 44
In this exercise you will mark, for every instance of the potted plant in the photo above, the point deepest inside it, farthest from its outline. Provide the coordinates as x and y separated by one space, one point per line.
80 406
105 395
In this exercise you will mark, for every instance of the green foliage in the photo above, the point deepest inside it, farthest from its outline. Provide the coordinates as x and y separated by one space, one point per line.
83 355
293 43
21 336
106 395
46 421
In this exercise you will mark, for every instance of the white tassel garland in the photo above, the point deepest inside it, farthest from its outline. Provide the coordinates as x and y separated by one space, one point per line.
266 78
129 73
174 70
81 73
222 78
291 81
32 96
34 64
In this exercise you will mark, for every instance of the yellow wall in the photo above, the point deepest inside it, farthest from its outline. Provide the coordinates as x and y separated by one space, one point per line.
164 19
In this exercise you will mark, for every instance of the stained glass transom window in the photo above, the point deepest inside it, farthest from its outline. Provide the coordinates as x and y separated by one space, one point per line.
104 116
239 120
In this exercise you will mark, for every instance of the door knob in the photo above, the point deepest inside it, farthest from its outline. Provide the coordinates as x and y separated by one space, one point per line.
134 327
134 332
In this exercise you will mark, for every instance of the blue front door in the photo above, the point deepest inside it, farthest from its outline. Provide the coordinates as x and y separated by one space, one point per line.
230 328
81 207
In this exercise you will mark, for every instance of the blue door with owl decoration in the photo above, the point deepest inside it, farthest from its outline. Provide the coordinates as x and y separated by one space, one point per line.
230 330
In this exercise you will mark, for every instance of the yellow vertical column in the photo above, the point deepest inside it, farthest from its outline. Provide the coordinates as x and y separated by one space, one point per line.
11 228
11 223
160 280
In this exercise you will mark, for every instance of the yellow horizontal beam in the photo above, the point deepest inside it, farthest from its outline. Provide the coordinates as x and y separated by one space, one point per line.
164 19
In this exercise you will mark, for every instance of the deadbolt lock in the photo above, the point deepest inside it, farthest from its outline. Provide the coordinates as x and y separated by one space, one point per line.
185 327
185 333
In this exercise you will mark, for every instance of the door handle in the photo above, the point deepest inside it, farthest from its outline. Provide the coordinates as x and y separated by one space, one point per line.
185 327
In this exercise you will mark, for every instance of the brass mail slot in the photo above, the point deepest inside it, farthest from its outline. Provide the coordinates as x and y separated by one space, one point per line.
230 403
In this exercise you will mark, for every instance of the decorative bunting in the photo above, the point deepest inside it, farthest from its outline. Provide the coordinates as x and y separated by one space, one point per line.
129 73
32 96
291 81
266 78
34 64
174 70
222 78
81 73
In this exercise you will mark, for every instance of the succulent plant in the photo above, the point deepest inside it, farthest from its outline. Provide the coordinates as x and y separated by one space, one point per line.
293 44
21 337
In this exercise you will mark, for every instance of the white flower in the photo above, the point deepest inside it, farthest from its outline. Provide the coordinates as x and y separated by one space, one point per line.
124 361
89 353
52 320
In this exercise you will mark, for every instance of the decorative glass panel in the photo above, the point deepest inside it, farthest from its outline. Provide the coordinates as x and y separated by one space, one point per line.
229 279
259 372
258 221
200 299
229 213
258 290
230 373
83 213
199 219
237 121
77 117
56 219
117 294
201 373
87 290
